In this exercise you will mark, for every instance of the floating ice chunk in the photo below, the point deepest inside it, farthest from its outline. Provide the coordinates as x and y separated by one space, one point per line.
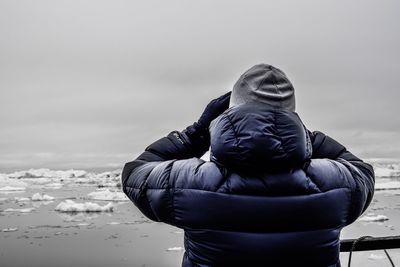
77 216
110 184
71 174
113 223
387 185
84 181
26 210
375 257
370 217
83 224
11 188
11 229
108 195
108 179
387 170
40 173
39 197
3 178
11 185
71 206
21 199
175 249
112 174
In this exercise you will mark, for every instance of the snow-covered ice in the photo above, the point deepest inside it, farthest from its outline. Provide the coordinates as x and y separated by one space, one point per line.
370 217
113 223
71 206
108 195
387 185
10 229
83 224
39 197
77 216
39 173
11 185
374 257
11 188
110 174
386 169
25 210
21 199
174 249
8 185
56 178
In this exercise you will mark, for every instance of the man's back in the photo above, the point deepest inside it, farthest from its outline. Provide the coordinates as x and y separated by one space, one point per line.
262 200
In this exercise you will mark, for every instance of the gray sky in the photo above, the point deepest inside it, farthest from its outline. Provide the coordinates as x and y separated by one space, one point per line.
90 83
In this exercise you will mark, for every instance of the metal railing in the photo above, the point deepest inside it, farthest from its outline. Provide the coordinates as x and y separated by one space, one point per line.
370 243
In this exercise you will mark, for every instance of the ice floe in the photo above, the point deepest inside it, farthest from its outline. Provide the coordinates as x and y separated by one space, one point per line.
387 170
43 173
370 217
8 185
77 216
40 197
83 224
109 174
113 223
71 206
11 188
21 199
374 257
108 195
56 179
387 185
175 249
10 229
25 210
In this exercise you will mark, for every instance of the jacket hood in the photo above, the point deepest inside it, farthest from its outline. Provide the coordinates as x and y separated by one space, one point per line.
256 137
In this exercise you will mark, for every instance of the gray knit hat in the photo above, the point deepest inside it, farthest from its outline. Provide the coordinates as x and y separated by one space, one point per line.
264 83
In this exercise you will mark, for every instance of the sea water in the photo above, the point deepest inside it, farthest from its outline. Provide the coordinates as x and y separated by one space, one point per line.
75 218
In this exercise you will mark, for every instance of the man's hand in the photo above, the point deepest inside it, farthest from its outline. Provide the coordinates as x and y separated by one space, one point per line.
197 133
215 108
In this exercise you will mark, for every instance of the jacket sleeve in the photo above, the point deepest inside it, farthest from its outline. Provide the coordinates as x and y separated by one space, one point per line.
362 173
152 169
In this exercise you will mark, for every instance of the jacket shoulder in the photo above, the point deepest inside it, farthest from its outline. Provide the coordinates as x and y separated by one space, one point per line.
329 174
153 185
197 174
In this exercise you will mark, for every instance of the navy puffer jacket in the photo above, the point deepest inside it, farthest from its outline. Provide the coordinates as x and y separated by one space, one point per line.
273 194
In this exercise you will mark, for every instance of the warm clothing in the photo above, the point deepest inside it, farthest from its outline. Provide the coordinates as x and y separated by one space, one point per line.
266 84
255 137
239 210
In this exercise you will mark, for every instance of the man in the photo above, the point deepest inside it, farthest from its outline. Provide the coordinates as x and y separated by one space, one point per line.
273 193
